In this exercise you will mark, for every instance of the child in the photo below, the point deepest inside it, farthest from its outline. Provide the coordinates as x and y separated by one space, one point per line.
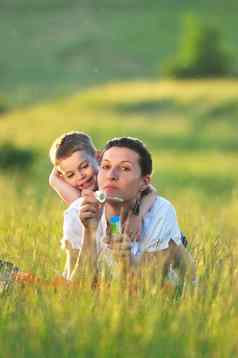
74 158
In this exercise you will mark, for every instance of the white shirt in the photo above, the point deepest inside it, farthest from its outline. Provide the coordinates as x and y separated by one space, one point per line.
158 228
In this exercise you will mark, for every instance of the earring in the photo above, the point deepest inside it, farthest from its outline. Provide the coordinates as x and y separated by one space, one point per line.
136 208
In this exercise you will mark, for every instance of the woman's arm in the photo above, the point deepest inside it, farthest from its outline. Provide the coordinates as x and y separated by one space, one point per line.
65 191
71 259
86 264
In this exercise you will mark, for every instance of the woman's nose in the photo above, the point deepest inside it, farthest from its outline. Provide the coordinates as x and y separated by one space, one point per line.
113 174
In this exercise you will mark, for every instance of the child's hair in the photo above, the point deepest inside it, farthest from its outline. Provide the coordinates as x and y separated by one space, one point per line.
69 143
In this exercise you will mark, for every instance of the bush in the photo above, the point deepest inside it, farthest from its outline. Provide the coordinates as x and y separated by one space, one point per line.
201 53
12 157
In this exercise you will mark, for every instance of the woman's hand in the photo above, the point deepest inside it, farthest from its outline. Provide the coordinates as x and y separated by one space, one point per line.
89 208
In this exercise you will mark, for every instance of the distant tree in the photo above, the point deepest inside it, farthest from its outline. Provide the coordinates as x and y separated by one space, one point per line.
3 105
201 53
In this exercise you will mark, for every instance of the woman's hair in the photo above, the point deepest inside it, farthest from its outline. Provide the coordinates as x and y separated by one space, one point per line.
71 142
145 160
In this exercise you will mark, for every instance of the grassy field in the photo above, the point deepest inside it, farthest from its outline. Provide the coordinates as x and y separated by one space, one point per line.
51 49
191 129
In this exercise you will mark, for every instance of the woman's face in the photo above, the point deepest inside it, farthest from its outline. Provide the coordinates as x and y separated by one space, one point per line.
120 174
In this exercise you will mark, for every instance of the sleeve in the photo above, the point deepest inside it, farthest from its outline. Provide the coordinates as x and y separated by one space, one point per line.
72 230
163 229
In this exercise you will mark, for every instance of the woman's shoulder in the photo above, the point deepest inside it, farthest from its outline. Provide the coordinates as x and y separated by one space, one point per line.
161 205
160 226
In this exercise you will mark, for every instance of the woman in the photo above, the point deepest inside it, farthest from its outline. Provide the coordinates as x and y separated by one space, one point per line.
124 175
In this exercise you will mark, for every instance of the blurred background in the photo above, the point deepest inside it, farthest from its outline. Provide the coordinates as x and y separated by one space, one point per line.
55 48
163 71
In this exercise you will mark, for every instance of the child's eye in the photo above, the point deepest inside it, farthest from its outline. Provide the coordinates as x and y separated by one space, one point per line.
84 166
70 175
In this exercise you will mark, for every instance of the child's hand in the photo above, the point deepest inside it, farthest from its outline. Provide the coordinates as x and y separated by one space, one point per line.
63 189
133 224
54 177
148 200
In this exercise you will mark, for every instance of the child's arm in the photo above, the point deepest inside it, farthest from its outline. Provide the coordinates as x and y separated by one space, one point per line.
147 201
134 222
63 189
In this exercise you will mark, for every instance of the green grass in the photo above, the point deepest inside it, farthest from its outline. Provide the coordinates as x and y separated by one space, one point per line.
45 322
195 166
53 49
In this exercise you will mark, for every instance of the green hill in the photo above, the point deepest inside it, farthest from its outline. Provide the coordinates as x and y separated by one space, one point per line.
191 128
55 48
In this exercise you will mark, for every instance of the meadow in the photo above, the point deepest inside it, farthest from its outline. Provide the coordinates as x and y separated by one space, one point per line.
191 129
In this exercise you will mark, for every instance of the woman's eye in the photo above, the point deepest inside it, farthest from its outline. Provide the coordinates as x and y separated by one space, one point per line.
125 169
105 166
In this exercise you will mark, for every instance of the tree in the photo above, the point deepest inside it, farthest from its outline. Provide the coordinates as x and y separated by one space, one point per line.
201 53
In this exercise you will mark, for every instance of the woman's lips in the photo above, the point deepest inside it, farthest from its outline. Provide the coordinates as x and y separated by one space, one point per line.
110 189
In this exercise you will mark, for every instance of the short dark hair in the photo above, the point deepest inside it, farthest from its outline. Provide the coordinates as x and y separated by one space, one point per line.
71 142
145 160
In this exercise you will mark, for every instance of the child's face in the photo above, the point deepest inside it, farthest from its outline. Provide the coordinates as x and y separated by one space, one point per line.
79 170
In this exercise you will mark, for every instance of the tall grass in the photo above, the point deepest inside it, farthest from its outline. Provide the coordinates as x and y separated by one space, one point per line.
43 321
200 181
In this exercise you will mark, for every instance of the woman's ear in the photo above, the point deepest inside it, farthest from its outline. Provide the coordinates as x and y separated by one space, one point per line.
145 182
